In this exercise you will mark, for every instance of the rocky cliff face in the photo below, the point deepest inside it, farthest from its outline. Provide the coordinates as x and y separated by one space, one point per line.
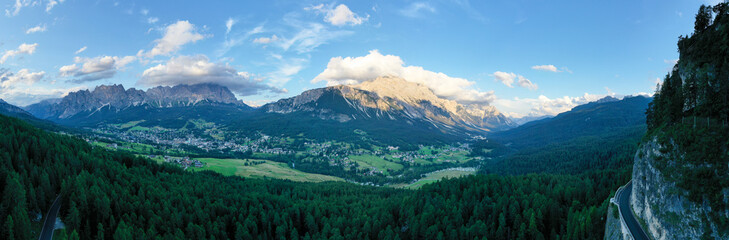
117 98
394 99
613 227
665 207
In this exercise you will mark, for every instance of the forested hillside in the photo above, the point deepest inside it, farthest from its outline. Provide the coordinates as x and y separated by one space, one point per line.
117 196
605 117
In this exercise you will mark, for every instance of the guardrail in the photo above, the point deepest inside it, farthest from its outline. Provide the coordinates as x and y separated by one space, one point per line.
616 200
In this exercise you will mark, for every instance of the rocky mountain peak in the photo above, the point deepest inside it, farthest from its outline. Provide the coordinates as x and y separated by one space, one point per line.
116 97
392 98
409 92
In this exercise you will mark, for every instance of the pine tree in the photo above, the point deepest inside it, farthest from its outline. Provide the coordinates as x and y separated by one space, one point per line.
122 231
9 225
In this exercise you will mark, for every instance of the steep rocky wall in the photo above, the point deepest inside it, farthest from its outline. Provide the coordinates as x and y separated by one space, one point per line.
663 206
613 227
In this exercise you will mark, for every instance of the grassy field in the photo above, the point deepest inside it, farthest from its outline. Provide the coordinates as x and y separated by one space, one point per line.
366 161
269 169
130 124
437 176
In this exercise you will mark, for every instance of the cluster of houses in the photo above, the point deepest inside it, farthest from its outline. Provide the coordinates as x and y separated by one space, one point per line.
175 139
335 154
184 162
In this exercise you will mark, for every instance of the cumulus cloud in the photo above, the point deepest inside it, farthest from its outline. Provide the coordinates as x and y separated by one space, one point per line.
505 78
39 28
508 79
92 69
199 69
80 50
525 83
176 35
550 68
9 79
266 40
542 105
19 88
338 16
417 9
22 49
353 70
152 20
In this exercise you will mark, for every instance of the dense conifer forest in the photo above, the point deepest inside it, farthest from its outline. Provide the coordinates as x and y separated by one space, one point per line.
112 195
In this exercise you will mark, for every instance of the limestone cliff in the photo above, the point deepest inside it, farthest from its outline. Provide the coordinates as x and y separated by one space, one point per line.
665 207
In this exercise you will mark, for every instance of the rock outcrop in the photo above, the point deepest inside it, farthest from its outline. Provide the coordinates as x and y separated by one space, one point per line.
663 206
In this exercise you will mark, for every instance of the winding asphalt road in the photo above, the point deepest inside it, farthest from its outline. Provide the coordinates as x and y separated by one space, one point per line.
50 222
626 211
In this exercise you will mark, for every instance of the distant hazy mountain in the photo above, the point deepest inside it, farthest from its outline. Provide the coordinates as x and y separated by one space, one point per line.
592 119
114 101
523 120
391 98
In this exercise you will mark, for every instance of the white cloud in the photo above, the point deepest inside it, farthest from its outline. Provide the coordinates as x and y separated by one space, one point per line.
52 3
93 69
505 78
19 4
266 40
22 77
176 35
417 9
80 50
236 40
28 95
338 16
39 28
144 12
532 107
550 68
198 69
22 49
508 79
309 37
229 25
525 83
285 69
353 70
152 20
68 70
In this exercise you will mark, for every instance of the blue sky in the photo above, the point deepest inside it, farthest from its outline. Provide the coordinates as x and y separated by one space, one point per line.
523 57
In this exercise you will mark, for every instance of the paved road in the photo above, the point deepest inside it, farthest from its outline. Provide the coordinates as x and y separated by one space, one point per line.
623 197
50 222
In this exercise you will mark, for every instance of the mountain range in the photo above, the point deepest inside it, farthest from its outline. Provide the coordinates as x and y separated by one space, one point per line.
603 117
85 103
383 107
